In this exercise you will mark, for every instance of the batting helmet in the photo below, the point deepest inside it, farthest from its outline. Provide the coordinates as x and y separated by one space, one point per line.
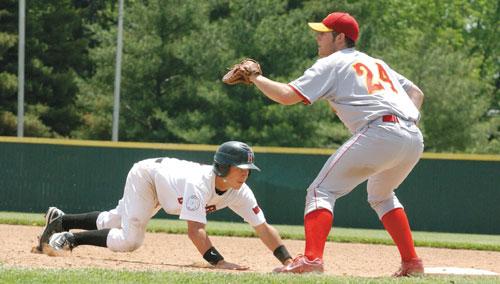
233 153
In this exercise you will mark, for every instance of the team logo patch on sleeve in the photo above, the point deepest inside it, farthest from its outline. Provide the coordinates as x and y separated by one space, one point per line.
193 203
256 210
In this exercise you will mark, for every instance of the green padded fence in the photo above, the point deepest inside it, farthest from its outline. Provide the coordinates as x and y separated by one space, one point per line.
445 193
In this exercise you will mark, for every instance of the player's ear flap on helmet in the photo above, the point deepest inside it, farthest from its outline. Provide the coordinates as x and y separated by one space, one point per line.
220 169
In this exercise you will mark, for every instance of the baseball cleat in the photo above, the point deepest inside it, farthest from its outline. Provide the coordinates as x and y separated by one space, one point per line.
301 264
62 241
53 224
412 267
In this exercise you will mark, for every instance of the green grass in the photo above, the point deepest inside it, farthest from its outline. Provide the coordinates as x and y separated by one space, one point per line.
345 235
9 275
439 240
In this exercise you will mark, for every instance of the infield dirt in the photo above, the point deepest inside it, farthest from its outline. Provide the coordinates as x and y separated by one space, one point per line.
165 252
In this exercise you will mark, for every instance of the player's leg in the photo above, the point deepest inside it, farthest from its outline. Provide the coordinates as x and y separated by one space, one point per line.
85 221
388 208
343 171
69 240
349 166
138 204
354 162
393 217
110 219
88 221
97 224
56 221
57 233
317 226
395 221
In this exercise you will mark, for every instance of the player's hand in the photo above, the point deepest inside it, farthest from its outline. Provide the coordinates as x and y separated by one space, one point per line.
231 266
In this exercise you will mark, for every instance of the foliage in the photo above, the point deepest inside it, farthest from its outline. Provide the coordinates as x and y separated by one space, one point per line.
8 71
173 60
55 57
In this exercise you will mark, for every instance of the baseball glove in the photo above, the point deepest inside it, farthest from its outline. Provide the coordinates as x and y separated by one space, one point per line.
241 72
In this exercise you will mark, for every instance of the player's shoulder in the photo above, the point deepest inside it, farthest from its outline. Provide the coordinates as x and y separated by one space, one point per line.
351 54
196 174
366 57
184 166
206 176
176 161
324 64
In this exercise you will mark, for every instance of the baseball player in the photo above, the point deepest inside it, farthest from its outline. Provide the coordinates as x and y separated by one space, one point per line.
381 109
183 188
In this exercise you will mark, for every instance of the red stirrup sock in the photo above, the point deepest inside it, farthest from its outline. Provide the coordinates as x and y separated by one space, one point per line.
396 224
317 225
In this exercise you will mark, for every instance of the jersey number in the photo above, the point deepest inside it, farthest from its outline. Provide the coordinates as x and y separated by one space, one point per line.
374 84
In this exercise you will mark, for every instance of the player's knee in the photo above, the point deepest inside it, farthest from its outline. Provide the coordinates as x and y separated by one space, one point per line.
382 206
132 241
133 235
374 204
132 244
120 241
108 220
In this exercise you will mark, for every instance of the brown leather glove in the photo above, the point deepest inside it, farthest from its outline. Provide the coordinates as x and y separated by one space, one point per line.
241 72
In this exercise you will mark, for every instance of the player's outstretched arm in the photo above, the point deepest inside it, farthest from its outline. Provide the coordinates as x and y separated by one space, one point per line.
271 238
276 91
199 237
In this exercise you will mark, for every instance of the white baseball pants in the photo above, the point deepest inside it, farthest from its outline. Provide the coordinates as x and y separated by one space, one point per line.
384 153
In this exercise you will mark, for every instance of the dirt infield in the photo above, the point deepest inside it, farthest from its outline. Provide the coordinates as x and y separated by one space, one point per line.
176 252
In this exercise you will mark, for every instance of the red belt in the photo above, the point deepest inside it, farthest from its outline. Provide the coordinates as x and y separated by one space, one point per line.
390 118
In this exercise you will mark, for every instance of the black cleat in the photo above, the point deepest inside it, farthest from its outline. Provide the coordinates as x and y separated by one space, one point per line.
53 224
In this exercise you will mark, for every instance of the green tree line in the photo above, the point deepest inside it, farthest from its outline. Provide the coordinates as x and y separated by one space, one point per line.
175 53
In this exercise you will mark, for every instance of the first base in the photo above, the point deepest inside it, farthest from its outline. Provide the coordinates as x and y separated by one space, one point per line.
458 271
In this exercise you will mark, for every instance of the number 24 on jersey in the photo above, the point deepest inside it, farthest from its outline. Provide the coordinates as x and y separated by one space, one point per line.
374 80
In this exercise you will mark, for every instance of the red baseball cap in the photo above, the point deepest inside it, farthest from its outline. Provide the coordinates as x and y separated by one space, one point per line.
339 22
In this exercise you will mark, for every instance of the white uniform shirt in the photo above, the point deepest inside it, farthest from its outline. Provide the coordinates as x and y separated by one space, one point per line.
188 189
359 88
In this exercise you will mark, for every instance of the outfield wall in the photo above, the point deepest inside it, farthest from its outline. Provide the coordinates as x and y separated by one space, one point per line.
444 193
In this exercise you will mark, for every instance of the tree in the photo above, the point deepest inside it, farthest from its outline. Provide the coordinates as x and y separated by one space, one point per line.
8 67
434 49
56 51
175 53
158 96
